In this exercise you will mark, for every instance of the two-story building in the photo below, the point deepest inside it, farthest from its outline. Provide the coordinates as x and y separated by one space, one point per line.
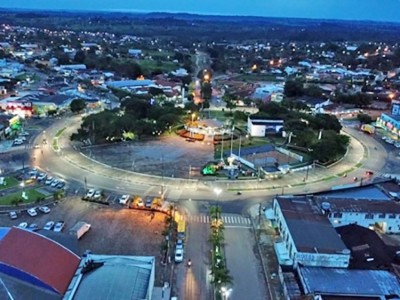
307 235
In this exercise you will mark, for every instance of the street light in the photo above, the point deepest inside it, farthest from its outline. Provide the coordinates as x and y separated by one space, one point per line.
225 292
217 192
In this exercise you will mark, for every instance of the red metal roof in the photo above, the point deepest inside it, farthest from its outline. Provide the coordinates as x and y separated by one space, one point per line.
39 256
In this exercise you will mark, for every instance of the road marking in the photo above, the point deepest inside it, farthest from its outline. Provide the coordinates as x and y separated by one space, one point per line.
237 226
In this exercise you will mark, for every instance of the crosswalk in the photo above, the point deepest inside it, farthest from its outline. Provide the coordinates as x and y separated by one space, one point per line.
228 220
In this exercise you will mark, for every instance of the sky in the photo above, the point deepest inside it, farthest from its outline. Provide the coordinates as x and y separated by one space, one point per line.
375 10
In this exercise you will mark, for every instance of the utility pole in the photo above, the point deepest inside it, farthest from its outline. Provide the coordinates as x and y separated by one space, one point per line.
240 144
222 147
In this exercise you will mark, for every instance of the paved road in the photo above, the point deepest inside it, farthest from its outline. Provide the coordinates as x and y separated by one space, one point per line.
194 282
243 264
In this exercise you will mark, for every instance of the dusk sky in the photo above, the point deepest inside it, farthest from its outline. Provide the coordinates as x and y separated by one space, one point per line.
378 10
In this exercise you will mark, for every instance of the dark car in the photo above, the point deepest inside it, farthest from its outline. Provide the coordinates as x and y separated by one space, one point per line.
149 201
369 173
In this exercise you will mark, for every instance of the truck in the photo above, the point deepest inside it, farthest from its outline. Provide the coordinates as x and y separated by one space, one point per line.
79 229
181 229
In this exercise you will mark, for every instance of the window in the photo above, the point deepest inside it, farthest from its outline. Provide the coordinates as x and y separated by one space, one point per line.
337 215
369 216
392 216
382 216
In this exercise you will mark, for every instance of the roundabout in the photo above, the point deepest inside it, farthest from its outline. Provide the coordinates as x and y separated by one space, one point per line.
79 167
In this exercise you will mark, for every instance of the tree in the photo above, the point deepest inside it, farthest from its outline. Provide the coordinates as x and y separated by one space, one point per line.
313 91
206 90
364 118
80 57
77 105
293 88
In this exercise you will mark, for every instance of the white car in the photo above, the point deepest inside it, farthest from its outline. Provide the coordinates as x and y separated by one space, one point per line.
389 141
49 180
22 225
13 215
97 194
179 244
178 255
90 193
397 145
49 225
59 226
44 209
55 182
18 142
124 199
32 212
42 176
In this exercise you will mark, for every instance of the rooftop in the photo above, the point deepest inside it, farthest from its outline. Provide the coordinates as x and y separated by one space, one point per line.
311 231
359 205
36 259
129 83
371 192
335 281
113 277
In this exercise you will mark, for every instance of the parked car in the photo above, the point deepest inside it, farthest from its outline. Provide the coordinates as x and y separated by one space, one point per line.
178 255
97 194
44 209
22 225
60 184
24 133
369 173
90 193
140 202
32 212
49 225
13 215
55 182
59 226
49 180
18 142
149 201
179 244
123 199
33 227
42 176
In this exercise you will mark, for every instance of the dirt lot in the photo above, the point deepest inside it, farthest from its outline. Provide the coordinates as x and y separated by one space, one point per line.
115 230
171 156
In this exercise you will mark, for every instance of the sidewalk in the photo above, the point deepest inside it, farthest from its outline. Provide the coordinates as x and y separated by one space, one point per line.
265 238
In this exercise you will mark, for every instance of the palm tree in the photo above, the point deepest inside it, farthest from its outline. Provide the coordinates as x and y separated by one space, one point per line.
221 276
215 212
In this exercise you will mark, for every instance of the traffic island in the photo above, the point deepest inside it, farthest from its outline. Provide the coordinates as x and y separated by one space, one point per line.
221 279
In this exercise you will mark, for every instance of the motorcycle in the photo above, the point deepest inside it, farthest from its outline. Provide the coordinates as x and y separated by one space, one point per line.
239 193
189 263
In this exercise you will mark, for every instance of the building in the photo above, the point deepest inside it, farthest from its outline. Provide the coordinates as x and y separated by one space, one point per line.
113 277
308 236
135 53
262 127
334 283
372 205
129 84
33 264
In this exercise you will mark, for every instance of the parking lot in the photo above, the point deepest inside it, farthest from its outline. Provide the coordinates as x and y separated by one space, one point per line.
114 229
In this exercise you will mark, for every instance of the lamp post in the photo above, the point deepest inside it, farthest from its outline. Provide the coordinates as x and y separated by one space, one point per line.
225 292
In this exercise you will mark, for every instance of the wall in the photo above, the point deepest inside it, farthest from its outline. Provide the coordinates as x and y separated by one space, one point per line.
305 258
391 221
255 130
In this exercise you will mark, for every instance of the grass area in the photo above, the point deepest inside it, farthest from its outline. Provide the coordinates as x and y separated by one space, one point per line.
10 182
55 140
151 65
359 165
55 145
329 178
33 196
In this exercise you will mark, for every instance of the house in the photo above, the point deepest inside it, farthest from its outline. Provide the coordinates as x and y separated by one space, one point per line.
73 67
308 236
315 104
137 53
128 84
267 90
261 127
334 283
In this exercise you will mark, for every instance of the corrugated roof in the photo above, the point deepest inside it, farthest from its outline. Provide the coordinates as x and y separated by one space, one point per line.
39 257
334 281
119 277
311 231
